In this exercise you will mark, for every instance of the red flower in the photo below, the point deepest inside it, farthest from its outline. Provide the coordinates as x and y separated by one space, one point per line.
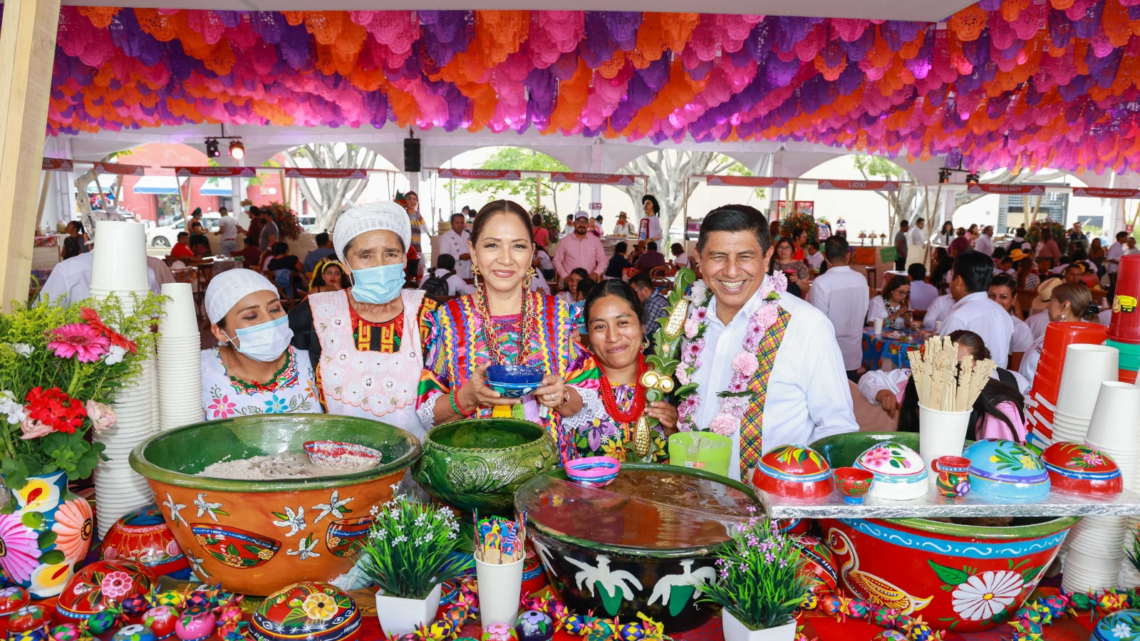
55 408
94 322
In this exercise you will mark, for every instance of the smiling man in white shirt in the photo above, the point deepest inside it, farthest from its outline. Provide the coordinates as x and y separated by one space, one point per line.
799 390
842 295
973 309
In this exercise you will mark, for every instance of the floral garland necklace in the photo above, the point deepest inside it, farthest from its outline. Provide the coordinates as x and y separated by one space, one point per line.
610 401
735 401
491 339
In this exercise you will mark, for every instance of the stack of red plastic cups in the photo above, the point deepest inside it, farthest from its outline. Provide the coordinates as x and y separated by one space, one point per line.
1124 330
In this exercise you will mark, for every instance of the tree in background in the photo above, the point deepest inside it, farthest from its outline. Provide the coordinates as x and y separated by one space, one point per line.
328 196
668 170
530 188
904 203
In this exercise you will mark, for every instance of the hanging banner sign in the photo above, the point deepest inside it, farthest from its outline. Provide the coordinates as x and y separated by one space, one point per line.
315 172
593 179
215 172
120 170
982 188
481 174
747 181
860 185
57 164
1098 192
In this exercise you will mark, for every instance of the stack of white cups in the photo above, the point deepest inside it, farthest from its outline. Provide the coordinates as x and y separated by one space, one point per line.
1094 556
120 268
1086 367
179 360
1119 439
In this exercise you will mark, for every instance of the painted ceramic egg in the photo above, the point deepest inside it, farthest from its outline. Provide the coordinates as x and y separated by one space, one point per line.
64 632
1005 470
1118 626
144 536
102 622
134 606
12 599
134 633
633 631
161 619
199 600
97 585
534 625
29 617
306 609
172 598
195 624
890 635
795 472
499 632
900 473
819 564
1078 468
440 629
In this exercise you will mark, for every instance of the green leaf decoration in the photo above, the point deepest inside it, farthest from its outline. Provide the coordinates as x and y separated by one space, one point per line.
343 602
46 539
52 558
252 549
33 520
295 616
232 550
949 576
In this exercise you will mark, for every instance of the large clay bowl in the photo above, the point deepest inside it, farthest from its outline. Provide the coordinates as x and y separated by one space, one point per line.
480 464
251 535
955 576
636 545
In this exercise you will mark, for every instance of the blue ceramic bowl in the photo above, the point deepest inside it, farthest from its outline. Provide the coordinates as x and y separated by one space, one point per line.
514 381
1005 470
1118 626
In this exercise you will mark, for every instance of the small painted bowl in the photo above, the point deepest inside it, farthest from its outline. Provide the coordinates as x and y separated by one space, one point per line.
853 483
514 381
594 471
794 472
1005 470
1077 468
342 456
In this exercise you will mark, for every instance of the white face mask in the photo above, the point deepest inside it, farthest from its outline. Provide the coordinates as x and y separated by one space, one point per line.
265 342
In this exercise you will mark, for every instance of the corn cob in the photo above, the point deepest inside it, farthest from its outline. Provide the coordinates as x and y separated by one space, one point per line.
677 319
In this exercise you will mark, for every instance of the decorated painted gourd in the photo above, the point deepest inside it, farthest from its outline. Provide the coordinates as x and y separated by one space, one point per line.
144 536
796 472
12 599
195 624
534 625
134 632
102 622
28 618
101 584
499 632
1078 468
1006 470
306 610
900 473
64 632
161 619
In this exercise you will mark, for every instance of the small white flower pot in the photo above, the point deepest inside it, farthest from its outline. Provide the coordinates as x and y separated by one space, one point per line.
402 616
734 630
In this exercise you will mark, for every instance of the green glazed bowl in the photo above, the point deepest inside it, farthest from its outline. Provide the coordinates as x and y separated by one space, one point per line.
479 464
256 537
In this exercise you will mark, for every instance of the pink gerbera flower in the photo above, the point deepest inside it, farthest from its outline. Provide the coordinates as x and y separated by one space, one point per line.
21 551
79 341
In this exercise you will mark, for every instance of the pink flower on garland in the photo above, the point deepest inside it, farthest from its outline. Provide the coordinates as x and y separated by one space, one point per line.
80 341
746 364
724 424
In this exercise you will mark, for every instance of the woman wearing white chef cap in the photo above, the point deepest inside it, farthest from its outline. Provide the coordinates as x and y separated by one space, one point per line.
253 370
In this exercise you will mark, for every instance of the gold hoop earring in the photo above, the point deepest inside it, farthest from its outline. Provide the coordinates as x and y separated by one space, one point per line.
645 343
475 275
527 280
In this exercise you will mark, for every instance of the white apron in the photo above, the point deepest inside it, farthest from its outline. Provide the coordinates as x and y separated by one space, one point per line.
373 385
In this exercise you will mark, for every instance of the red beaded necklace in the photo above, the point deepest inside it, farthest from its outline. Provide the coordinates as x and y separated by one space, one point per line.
610 402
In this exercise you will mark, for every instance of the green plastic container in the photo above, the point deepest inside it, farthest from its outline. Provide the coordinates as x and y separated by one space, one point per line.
701 450
1129 355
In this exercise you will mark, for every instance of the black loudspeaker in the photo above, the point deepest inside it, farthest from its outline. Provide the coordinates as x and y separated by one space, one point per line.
411 154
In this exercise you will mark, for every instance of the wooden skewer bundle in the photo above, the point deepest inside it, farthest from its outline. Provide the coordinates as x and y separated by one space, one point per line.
942 382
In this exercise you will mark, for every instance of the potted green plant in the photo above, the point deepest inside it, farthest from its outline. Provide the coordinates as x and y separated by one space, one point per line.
408 555
760 584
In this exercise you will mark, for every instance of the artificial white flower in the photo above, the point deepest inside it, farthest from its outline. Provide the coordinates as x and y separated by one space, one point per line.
23 349
114 355
12 408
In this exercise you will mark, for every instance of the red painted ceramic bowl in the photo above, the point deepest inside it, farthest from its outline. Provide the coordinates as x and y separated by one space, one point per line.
101 584
853 483
144 536
794 472
1080 469
307 610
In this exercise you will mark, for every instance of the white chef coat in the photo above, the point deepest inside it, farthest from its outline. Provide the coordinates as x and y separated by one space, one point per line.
456 245
808 393
977 313
937 311
841 294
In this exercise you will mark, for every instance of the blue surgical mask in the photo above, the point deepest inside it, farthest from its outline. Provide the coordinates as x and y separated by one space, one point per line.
378 285
265 342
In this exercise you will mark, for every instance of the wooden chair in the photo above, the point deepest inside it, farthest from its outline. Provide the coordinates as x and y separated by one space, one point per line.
660 277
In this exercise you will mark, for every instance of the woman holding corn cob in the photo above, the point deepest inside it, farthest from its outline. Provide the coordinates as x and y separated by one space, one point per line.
613 322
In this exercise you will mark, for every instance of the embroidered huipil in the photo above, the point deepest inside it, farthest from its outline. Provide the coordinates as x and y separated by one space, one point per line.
603 435
291 390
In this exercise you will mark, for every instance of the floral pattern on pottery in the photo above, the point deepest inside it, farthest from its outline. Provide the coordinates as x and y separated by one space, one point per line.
144 536
986 596
1074 467
101 584
43 564
234 547
1118 626
953 478
793 471
343 537
1006 470
306 610
819 564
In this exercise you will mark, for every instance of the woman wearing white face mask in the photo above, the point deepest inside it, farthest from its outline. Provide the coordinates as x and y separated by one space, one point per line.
366 342
253 370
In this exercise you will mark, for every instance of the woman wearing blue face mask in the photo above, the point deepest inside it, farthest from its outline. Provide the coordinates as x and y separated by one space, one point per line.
253 370
366 343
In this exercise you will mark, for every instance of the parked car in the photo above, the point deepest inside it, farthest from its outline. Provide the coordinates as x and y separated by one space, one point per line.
167 235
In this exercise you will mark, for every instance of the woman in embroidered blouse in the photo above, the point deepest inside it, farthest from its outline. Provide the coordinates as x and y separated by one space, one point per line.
253 370
613 319
503 322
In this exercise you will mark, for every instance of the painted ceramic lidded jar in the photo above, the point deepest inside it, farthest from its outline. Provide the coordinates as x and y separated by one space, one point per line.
1078 468
796 472
1005 470
900 473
